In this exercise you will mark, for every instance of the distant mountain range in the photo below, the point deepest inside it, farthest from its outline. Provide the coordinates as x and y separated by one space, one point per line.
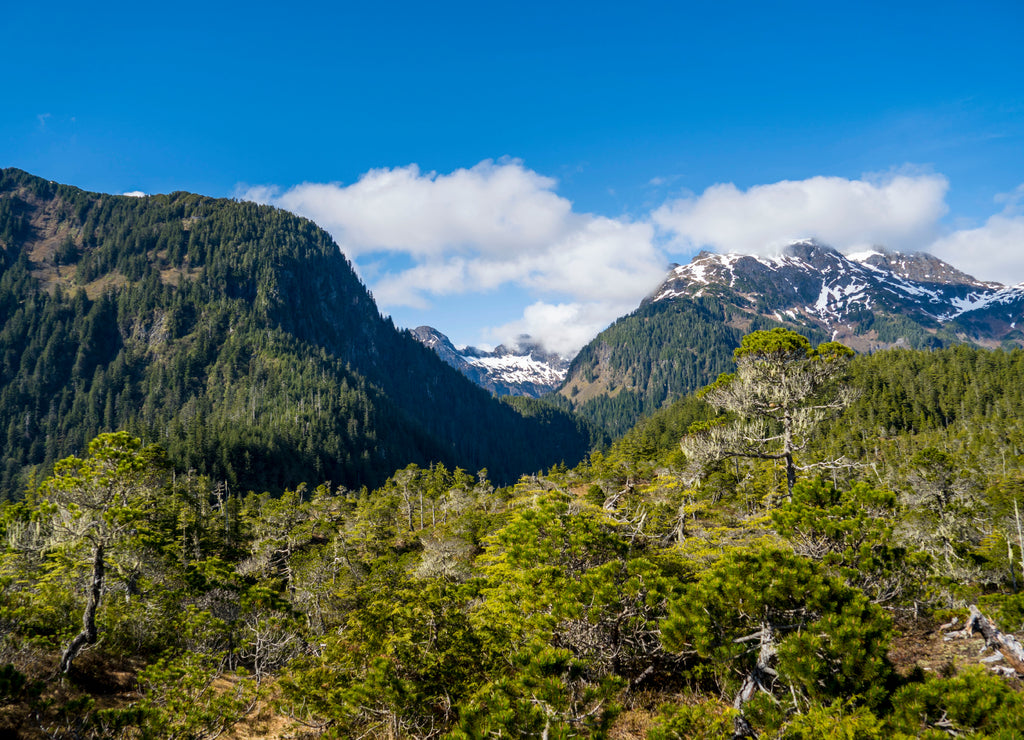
240 338
527 370
682 336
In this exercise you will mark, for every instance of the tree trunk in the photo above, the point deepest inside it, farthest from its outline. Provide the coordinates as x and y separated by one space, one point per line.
790 476
787 449
1006 645
759 678
88 634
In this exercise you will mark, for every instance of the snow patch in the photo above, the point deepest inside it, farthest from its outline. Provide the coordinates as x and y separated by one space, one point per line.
846 282
518 369
863 257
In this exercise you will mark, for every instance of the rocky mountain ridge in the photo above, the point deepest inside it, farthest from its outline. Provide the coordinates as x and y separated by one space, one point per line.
844 295
526 370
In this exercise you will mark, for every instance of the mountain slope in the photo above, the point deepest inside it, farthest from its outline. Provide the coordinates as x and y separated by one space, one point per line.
658 353
683 335
237 335
526 371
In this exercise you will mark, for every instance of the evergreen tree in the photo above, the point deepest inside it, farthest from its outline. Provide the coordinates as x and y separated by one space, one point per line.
100 502
781 389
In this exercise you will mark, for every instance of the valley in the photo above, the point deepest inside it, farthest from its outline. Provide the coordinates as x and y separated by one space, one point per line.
238 502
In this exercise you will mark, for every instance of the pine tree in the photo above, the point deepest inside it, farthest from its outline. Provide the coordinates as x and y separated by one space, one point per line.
781 390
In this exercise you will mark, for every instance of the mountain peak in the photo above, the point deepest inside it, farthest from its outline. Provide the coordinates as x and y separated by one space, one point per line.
819 256
812 284
919 267
237 336
684 334
525 370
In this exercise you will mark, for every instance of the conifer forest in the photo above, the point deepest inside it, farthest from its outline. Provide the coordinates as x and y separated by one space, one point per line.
236 502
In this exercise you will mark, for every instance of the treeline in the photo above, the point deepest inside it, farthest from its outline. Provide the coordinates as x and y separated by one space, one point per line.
620 597
904 391
236 336
960 396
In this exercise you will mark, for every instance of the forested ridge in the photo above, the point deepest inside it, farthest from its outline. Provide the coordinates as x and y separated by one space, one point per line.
647 592
236 336
655 355
963 396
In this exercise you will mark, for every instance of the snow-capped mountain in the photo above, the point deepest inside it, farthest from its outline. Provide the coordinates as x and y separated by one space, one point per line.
859 299
524 371
682 336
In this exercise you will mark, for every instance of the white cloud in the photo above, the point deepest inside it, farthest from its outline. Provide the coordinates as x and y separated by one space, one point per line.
258 193
605 259
565 327
994 251
899 211
479 229
420 236
135 194
601 259
490 208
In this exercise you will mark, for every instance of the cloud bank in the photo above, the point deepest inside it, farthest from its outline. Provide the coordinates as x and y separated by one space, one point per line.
476 230
901 212
425 235
490 209
994 251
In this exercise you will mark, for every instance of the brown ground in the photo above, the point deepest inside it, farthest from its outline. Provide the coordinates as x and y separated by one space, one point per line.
925 646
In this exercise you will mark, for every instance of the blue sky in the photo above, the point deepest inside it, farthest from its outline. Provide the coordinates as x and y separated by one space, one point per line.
499 168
